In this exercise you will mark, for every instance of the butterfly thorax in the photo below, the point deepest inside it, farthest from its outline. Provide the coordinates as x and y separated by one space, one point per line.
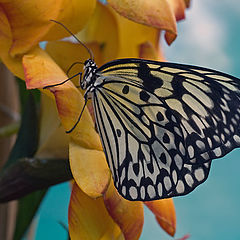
89 76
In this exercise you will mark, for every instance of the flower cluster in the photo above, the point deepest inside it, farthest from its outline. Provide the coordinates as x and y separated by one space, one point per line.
115 30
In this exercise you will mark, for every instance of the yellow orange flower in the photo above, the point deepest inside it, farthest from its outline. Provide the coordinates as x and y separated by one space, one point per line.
161 14
96 210
21 33
89 219
128 215
165 214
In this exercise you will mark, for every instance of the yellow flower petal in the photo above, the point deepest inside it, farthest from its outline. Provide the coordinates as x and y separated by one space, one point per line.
96 30
121 38
32 26
29 22
109 235
74 14
148 51
67 53
157 13
165 214
128 215
53 141
132 35
89 169
26 23
15 65
89 219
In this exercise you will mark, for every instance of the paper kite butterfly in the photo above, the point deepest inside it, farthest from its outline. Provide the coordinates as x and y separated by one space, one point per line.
161 123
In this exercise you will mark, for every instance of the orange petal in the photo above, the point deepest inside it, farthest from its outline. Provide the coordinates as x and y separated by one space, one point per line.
70 104
40 70
157 13
164 211
88 218
187 2
89 169
128 215
178 7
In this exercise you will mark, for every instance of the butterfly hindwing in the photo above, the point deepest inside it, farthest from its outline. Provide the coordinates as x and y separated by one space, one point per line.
162 123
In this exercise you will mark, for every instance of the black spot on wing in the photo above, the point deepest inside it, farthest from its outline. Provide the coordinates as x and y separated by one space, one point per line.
166 138
160 116
144 96
150 167
125 89
163 158
178 88
136 168
150 82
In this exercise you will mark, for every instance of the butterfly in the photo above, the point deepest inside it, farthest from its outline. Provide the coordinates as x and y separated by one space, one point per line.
161 124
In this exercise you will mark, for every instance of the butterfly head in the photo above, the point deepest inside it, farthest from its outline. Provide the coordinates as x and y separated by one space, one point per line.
89 76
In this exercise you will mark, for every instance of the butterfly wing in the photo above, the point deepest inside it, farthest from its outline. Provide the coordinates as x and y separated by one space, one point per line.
162 123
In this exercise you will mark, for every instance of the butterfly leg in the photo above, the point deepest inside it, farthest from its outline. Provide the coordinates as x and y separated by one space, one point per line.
57 84
79 118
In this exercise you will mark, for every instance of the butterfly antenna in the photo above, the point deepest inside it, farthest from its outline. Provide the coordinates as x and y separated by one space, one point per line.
69 131
75 63
89 51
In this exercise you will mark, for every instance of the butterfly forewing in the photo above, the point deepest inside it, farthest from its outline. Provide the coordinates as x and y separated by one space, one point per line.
162 123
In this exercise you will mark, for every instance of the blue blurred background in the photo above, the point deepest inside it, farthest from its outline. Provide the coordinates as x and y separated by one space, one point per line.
209 37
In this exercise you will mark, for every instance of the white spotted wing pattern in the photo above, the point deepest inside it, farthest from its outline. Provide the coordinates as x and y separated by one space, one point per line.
161 124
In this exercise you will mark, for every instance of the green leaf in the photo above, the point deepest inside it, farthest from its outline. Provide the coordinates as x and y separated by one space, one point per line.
27 139
24 93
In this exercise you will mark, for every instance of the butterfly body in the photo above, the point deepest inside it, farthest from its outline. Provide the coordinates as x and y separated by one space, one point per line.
161 124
